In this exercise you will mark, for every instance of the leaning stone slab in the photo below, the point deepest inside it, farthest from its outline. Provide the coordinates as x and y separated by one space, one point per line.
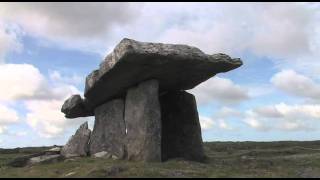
75 107
181 131
46 159
109 129
176 67
78 144
47 156
143 121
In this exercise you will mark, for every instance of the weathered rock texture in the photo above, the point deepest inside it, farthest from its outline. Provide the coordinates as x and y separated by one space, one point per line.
181 131
75 107
142 128
78 144
176 67
109 129
143 121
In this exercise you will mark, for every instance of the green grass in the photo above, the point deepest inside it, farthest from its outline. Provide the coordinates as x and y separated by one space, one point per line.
226 159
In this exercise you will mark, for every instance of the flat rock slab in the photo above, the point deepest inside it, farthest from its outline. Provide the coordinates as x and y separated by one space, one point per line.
78 144
176 67
181 131
75 107
143 121
109 129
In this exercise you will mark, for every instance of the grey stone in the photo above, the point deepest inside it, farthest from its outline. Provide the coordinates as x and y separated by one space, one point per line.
181 131
78 144
109 129
75 107
91 79
55 150
45 159
143 121
102 154
41 157
176 67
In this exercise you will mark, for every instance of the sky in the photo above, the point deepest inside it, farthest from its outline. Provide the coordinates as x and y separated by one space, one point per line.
47 50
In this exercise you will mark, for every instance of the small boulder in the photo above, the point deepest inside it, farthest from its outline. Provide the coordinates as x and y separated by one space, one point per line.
75 107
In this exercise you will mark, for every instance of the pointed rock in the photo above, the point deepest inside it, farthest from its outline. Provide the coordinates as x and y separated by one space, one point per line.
78 144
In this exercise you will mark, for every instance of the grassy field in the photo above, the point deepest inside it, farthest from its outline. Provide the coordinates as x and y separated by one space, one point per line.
226 159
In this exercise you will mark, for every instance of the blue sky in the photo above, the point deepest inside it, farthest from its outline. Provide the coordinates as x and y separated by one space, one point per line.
47 50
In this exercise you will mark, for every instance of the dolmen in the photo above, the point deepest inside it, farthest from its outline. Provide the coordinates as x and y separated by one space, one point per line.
142 111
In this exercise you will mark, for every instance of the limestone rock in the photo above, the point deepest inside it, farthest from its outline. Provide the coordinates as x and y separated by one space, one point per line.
143 121
102 154
41 157
75 107
78 143
181 131
109 129
176 67
56 150
45 159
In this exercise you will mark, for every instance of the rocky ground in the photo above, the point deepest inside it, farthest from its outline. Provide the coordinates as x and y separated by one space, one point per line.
226 159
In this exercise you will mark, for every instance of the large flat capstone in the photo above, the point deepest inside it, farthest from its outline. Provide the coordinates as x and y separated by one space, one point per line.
143 121
109 129
181 131
176 67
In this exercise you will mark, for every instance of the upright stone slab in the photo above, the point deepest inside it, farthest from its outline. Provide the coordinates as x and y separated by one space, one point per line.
143 121
181 131
109 129
78 143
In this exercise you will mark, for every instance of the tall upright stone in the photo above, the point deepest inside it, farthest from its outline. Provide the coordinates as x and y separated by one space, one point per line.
109 129
181 131
78 143
143 121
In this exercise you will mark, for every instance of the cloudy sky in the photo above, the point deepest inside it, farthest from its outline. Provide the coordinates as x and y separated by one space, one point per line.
47 49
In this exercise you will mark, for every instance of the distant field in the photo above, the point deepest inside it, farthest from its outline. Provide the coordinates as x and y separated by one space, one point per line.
226 159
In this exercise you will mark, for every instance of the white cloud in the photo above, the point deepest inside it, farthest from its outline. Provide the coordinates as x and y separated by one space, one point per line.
41 97
8 42
45 117
226 112
220 90
296 84
55 21
206 123
284 117
272 29
24 81
19 80
8 116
